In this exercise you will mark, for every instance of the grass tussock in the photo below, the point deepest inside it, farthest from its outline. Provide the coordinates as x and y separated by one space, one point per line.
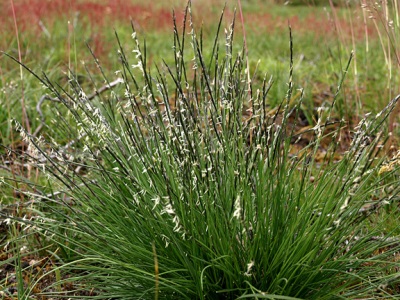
181 183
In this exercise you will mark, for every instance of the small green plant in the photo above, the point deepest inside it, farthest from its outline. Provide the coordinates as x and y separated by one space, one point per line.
182 184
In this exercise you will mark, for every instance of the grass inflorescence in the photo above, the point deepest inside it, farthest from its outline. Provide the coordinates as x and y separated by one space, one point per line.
181 182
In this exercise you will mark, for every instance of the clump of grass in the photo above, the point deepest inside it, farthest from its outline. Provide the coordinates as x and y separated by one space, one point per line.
183 185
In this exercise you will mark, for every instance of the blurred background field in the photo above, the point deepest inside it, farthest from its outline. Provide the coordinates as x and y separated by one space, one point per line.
53 37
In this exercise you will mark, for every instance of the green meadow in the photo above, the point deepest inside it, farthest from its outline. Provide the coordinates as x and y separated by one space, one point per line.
203 150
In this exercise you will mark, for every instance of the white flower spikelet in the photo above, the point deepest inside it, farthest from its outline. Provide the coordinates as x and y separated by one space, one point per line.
168 209
156 201
238 209
250 265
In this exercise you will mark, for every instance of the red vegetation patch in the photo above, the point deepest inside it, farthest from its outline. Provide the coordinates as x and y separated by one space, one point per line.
320 26
100 14
30 12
